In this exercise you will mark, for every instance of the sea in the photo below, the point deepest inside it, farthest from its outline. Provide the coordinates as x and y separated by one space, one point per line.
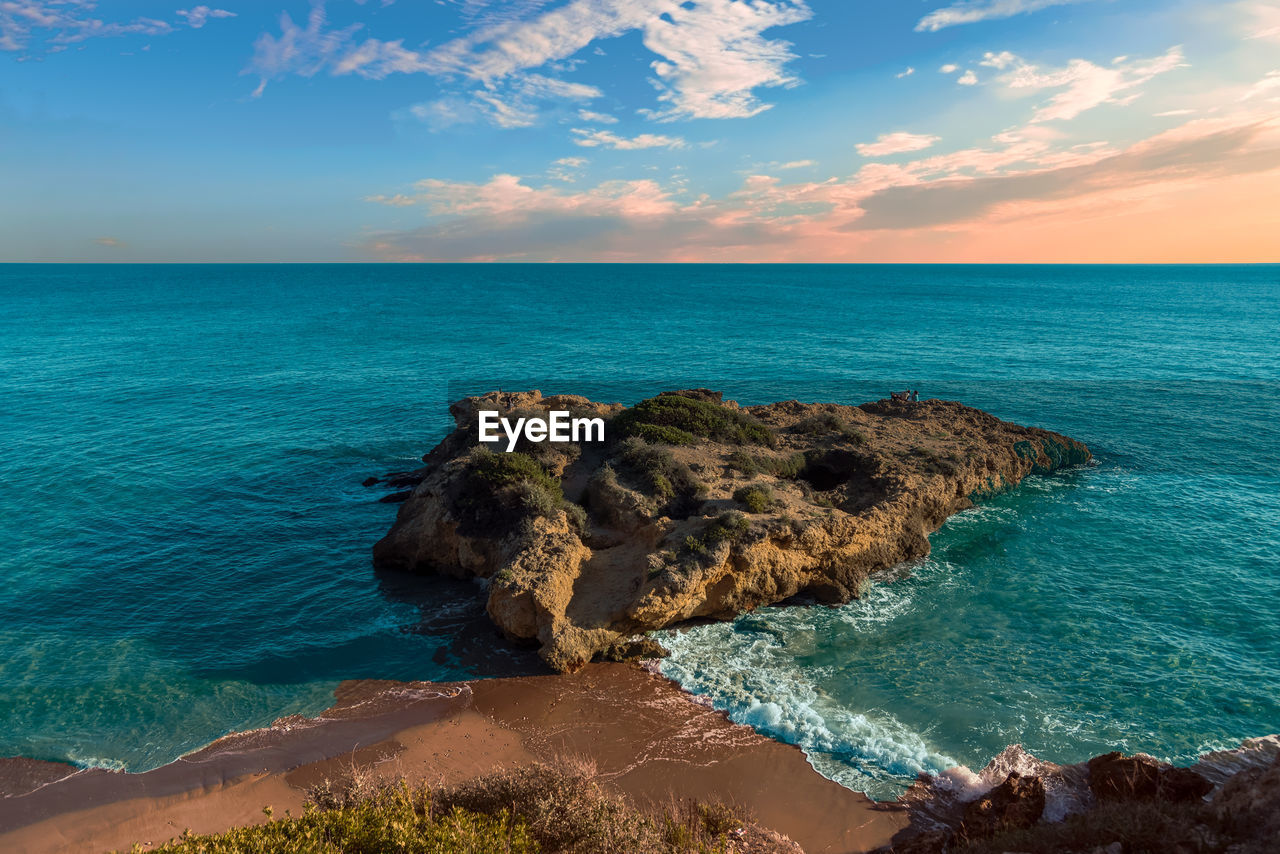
185 540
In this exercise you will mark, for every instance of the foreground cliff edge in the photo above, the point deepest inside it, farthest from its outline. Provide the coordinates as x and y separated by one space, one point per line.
694 507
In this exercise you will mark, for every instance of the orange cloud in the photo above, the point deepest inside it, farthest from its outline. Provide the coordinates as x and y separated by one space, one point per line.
1204 191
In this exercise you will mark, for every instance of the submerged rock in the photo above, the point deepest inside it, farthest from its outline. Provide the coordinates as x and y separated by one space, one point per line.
695 507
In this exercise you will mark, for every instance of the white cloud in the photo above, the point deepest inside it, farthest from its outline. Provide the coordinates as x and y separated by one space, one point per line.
907 73
972 11
598 118
1000 61
1266 20
399 200
299 50
62 22
1168 113
896 143
512 106
968 78
567 169
712 54
949 68
1268 86
797 164
1085 85
198 16
608 139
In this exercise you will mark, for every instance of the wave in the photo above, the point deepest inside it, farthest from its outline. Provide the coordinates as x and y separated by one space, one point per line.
752 670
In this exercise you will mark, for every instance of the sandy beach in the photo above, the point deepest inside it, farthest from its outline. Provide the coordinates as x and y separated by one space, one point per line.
647 739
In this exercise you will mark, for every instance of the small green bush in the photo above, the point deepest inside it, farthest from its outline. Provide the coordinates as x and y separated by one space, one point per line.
577 516
757 497
392 818
659 473
825 423
788 467
677 420
556 808
503 469
537 499
728 527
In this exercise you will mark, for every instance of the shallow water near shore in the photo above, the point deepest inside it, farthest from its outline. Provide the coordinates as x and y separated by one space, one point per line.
185 541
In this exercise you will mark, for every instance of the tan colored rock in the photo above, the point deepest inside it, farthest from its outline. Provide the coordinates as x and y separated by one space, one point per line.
851 490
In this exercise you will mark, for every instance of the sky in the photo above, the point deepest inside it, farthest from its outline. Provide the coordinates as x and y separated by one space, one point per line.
640 130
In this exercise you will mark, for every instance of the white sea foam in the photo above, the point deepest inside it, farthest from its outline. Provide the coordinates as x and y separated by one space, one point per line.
75 757
748 669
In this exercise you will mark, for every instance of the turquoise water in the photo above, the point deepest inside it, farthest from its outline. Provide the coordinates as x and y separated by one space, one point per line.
185 541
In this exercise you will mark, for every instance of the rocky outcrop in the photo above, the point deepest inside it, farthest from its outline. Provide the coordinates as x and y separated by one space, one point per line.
695 507
1228 801
1016 803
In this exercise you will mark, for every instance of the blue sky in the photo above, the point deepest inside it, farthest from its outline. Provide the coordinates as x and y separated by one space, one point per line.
639 130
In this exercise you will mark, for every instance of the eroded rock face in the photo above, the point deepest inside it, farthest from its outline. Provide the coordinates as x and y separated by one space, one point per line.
748 507
1017 802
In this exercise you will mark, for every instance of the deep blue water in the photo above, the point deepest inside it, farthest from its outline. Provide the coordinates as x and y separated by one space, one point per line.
185 542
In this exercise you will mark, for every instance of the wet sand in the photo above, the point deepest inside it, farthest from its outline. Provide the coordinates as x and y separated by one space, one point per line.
647 739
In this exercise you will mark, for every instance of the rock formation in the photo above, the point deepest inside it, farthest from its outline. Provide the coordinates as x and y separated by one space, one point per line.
695 507
1228 801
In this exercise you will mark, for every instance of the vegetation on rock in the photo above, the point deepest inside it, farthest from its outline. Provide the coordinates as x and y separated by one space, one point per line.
537 809
674 419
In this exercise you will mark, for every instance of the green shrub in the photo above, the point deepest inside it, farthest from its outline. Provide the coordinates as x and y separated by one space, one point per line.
743 462
662 434
728 527
503 469
566 810
555 808
677 420
577 516
504 491
390 818
787 467
658 472
537 499
825 423
757 497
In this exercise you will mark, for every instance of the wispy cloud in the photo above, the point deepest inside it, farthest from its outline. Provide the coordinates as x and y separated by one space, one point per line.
1083 85
302 50
598 118
896 143
197 16
1268 87
712 55
1265 19
110 242
63 22
607 139
973 11
907 72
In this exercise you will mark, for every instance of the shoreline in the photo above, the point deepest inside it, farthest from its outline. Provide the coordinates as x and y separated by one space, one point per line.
647 738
